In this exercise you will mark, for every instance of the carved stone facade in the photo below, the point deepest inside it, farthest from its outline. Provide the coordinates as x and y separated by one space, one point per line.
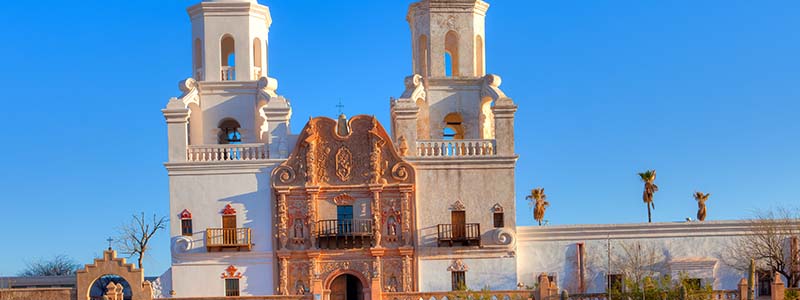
362 173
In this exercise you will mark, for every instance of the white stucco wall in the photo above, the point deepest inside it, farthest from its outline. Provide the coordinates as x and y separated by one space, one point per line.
203 279
492 273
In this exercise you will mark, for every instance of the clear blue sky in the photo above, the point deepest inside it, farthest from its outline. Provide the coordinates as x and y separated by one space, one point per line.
706 92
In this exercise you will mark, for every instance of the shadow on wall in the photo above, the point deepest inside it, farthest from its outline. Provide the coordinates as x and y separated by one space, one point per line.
256 214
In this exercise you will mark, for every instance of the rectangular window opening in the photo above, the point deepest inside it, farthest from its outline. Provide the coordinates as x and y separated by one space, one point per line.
232 287
459 279
498 220
186 227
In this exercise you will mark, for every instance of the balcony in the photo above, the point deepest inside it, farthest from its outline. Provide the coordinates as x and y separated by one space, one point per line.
456 148
228 238
343 234
459 234
229 152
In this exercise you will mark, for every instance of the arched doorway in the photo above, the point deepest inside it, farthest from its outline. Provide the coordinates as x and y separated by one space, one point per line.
347 287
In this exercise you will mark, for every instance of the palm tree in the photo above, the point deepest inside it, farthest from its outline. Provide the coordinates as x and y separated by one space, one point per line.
701 205
650 188
538 200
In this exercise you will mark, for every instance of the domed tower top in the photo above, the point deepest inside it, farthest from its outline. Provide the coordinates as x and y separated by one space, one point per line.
448 37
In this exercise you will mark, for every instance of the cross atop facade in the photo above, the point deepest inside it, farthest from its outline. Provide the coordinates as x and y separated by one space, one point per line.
109 240
340 106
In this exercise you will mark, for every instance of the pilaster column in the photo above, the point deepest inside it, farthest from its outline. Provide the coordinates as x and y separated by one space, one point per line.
177 116
275 115
311 209
283 219
377 223
405 208
283 278
504 126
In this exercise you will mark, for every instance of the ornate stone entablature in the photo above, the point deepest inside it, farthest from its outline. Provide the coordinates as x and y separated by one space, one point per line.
186 214
457 266
228 210
231 273
497 208
344 199
458 206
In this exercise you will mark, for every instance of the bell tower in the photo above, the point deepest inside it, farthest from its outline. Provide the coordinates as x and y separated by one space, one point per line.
448 38
229 40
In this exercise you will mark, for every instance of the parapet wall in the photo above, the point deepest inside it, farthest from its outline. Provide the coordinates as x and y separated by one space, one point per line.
38 294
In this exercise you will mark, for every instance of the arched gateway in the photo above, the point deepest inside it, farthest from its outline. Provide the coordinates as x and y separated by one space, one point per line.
347 286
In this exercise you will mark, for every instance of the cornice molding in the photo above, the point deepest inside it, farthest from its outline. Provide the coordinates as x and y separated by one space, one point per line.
221 167
463 162
727 228
227 9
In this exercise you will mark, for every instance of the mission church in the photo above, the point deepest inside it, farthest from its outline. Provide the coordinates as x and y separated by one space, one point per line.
350 208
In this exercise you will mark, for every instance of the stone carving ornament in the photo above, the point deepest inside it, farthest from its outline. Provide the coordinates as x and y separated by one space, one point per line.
457 266
344 164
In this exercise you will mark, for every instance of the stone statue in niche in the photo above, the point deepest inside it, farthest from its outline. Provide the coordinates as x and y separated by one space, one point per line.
298 228
391 285
376 228
300 288
391 226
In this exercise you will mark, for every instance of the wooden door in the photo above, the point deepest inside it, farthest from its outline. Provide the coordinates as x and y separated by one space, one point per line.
229 230
339 288
458 220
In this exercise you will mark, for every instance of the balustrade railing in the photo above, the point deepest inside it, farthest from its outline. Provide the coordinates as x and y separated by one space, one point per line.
229 152
220 238
228 73
455 148
461 295
465 234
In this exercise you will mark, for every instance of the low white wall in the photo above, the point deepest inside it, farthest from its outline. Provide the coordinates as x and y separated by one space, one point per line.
694 248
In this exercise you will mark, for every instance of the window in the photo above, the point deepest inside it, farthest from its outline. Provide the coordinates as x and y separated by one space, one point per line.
257 55
186 227
229 132
186 222
459 280
615 282
231 287
451 54
422 56
498 220
764 285
344 219
453 127
228 58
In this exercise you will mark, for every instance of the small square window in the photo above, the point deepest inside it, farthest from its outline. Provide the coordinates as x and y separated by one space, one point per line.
499 222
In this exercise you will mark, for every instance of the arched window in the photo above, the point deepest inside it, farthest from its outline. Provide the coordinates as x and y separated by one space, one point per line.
257 56
453 127
486 119
198 59
451 54
228 56
479 64
229 132
422 56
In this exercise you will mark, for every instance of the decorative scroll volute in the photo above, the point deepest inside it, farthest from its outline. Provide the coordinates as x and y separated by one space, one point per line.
322 157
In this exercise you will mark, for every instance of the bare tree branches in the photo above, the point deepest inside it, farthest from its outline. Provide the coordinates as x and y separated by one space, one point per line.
638 261
135 237
59 265
769 243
